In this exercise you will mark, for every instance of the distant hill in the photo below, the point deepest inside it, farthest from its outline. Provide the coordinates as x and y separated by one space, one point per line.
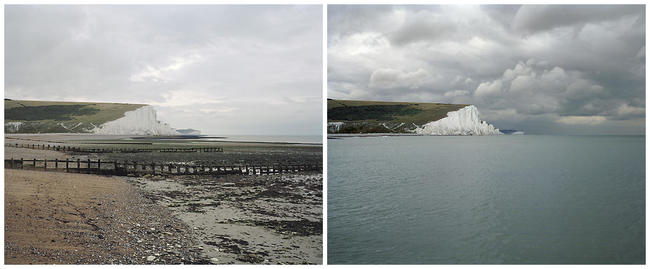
23 116
348 116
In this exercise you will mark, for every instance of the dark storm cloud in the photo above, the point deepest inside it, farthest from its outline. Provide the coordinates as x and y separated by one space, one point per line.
566 69
536 18
220 69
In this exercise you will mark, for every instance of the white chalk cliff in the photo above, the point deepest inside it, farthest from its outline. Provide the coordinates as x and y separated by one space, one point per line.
141 121
464 121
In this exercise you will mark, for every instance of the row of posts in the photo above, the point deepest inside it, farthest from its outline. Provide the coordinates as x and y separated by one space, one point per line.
96 150
268 169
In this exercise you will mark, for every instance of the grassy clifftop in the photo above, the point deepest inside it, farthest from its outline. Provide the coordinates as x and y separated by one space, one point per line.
22 116
382 117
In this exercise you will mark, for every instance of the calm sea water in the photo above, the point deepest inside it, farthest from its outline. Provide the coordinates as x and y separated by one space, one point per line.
268 138
491 199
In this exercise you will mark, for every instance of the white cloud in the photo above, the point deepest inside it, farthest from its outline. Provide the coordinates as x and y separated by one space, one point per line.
160 74
191 62
385 78
582 120
489 88
178 98
627 111
456 93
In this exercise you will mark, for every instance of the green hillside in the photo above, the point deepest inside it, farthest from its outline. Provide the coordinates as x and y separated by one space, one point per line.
382 117
22 116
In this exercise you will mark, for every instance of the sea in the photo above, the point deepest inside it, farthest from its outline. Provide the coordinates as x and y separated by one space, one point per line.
509 199
298 139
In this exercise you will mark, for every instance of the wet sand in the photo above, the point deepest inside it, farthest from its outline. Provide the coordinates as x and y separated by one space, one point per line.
270 219
29 154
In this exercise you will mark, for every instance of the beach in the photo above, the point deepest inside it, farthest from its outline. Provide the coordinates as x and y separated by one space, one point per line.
67 218
61 218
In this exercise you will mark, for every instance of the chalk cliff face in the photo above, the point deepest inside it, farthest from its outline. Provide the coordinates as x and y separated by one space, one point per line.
461 122
141 121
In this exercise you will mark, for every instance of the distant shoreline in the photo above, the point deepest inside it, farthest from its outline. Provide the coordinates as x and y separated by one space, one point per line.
249 139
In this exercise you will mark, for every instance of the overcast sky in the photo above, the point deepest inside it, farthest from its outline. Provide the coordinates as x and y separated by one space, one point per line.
541 69
218 69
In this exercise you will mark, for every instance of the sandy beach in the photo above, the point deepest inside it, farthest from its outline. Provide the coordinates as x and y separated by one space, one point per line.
60 218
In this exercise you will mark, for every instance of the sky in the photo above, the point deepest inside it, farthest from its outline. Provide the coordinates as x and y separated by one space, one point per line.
541 69
250 70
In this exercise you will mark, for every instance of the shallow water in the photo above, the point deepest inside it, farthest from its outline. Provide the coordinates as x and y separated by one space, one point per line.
269 138
492 199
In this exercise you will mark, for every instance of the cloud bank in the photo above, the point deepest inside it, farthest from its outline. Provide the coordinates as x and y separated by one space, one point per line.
220 69
543 69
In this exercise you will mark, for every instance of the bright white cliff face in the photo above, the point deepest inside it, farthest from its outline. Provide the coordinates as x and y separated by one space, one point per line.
141 121
464 121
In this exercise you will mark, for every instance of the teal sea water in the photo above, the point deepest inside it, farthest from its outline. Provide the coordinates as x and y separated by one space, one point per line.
490 199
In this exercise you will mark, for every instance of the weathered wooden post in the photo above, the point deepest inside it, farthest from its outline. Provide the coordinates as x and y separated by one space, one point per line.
56 164
88 166
99 166
34 163
78 166
22 166
12 163
44 163
135 167
66 166
115 166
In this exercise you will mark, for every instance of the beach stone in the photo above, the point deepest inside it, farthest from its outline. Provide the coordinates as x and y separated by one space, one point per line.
214 260
151 258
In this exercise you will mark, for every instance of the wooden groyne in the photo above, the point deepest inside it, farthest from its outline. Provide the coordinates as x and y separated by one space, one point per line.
112 150
140 168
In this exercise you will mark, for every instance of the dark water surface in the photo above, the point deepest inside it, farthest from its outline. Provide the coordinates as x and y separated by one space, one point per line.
491 199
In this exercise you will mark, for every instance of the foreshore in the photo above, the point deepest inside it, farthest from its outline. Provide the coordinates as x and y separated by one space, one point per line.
65 218
62 218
